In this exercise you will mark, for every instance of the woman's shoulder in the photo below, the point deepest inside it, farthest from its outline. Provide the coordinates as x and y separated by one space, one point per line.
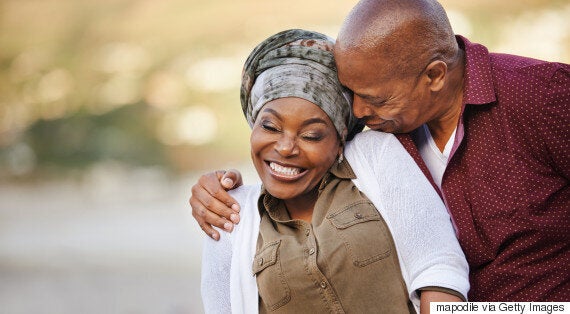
245 191
246 196
372 142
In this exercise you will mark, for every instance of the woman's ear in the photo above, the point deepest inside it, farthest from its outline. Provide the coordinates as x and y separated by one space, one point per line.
436 72
340 155
342 141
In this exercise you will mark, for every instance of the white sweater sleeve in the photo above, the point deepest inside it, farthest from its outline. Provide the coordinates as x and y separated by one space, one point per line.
228 284
215 282
428 250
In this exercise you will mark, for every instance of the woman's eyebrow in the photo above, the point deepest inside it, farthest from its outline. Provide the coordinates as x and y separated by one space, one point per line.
313 120
305 123
273 112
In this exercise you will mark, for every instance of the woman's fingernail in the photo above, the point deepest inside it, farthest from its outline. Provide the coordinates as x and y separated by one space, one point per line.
215 236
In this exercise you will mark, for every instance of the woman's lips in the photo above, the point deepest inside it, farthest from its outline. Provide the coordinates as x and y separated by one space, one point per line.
287 173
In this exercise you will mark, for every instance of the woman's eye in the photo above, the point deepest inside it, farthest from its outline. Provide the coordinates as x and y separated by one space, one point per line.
269 127
312 137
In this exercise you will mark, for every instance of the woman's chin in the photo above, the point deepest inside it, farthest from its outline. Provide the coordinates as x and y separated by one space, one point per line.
280 194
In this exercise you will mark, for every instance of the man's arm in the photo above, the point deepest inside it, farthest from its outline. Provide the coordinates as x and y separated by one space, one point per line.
212 205
215 277
435 296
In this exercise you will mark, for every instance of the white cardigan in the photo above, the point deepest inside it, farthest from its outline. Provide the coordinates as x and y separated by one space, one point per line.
428 250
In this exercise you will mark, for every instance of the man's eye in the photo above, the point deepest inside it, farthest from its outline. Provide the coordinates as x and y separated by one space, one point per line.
378 103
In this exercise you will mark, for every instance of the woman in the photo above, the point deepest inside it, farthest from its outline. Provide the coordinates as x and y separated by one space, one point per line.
355 232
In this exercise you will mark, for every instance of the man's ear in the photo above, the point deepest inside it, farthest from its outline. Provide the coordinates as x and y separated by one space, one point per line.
436 72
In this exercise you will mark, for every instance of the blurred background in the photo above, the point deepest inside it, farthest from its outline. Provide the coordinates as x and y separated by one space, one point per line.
110 109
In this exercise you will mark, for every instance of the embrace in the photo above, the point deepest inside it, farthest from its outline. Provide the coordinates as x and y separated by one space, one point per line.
459 190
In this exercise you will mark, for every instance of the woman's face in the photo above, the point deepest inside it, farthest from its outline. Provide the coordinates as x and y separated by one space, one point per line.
293 144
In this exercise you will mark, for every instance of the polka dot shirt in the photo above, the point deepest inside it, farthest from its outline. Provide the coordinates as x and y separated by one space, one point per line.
506 183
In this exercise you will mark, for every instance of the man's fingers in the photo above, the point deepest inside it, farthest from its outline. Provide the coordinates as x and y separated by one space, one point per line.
199 213
217 194
212 206
231 179
211 232
202 203
207 219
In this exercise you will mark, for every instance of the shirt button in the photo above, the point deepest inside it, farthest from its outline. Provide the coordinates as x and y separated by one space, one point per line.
357 215
311 251
323 285
260 261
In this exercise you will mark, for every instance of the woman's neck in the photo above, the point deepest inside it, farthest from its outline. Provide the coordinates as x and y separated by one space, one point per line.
301 208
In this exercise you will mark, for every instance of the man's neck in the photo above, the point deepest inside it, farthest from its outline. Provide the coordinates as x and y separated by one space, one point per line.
443 127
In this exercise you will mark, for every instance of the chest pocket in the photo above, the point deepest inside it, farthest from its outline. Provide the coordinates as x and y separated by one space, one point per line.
363 231
273 288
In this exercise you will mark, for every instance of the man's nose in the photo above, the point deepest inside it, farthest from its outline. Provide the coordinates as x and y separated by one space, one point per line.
360 108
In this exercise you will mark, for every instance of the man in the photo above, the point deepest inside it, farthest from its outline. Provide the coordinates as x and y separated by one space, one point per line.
491 131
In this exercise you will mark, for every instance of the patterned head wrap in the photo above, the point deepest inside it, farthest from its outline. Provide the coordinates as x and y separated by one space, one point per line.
297 63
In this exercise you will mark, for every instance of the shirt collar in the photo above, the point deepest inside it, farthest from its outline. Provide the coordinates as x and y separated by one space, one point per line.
342 170
478 78
273 206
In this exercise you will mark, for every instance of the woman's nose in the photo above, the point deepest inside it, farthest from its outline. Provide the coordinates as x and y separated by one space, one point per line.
287 146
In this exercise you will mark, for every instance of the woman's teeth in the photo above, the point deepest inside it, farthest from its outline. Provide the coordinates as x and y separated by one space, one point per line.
288 171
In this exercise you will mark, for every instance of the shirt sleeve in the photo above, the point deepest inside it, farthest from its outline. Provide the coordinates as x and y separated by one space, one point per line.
428 250
555 126
444 290
215 282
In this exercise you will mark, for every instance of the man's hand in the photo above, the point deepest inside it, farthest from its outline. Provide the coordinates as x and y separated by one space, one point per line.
211 203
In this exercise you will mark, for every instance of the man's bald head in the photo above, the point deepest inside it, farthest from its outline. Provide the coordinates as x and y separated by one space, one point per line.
401 60
409 33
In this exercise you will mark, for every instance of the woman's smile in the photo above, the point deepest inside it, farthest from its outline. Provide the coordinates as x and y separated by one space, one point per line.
293 145
285 173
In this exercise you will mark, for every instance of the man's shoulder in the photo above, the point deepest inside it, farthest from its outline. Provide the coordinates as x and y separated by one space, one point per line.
526 67
504 67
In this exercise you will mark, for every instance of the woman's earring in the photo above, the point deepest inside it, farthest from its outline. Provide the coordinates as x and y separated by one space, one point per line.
340 158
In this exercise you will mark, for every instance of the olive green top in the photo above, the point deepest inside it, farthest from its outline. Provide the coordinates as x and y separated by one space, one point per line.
344 261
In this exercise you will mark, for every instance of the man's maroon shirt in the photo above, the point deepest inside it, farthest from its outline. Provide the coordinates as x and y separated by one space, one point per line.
506 183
